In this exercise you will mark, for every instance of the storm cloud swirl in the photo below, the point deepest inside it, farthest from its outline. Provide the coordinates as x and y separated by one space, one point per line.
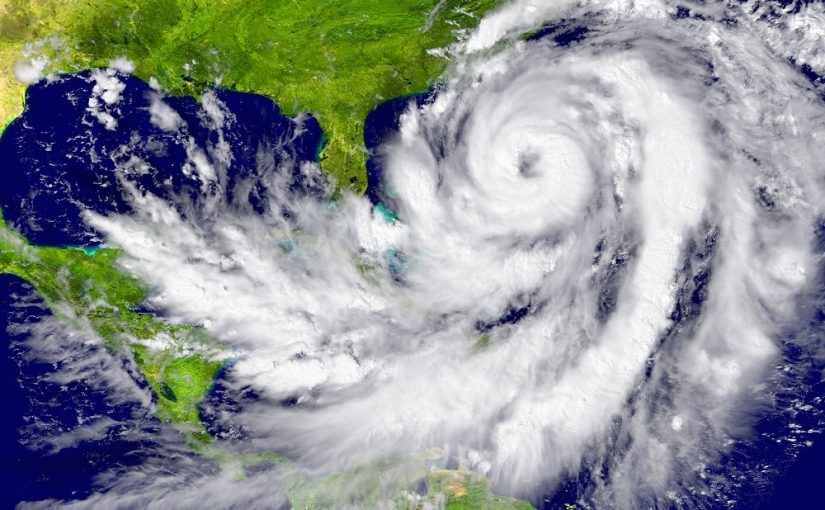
607 250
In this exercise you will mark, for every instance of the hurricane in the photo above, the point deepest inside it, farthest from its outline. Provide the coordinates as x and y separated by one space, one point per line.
589 259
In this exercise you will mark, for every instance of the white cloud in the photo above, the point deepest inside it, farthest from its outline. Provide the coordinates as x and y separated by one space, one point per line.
106 93
31 70
122 64
531 157
163 115
514 17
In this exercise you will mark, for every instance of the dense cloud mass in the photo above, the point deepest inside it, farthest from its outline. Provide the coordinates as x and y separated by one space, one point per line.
606 243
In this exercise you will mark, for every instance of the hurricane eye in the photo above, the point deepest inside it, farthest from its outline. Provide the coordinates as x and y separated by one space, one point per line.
527 164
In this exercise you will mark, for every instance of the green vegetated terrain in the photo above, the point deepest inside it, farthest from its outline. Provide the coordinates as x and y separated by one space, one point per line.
85 289
465 490
334 59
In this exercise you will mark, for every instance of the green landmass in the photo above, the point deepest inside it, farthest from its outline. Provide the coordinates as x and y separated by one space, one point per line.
85 289
388 484
335 59
465 490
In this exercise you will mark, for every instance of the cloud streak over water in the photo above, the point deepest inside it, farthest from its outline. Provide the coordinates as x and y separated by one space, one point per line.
600 251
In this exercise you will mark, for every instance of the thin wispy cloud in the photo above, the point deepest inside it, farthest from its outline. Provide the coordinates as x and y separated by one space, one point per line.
557 204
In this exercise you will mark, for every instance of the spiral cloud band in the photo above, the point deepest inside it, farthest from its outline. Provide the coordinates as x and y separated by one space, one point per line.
603 248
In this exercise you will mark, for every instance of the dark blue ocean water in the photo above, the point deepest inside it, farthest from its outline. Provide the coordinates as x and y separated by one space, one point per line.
57 160
381 126
35 408
795 475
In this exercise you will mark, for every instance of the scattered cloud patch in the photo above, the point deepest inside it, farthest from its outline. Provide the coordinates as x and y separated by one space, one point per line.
163 115
122 64
30 71
105 95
